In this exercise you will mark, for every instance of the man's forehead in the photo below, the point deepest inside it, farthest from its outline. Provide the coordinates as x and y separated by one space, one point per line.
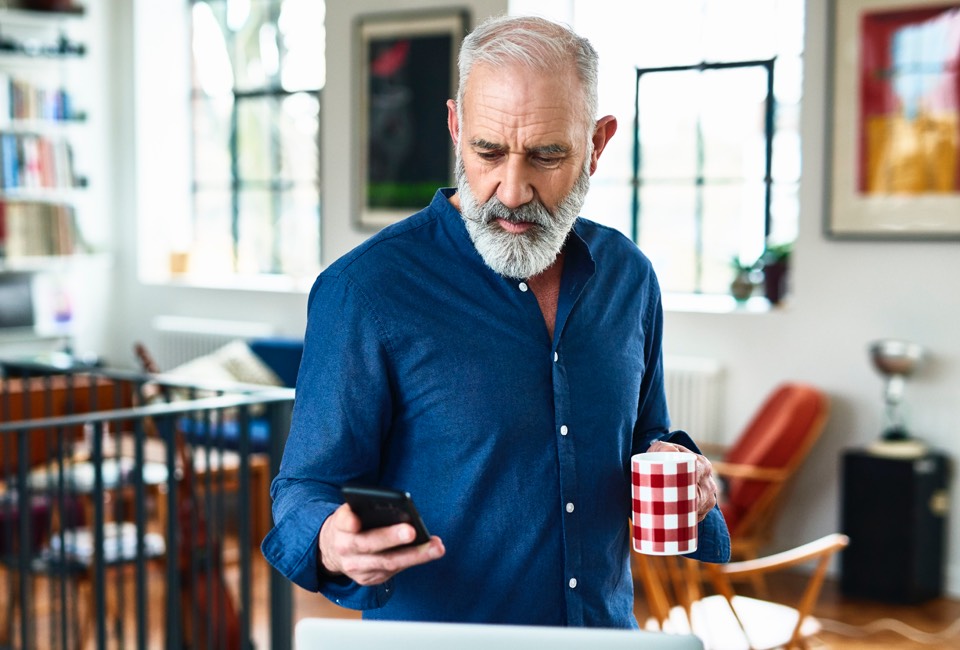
519 102
517 81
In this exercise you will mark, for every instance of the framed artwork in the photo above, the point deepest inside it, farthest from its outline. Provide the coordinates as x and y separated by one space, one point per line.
408 71
893 132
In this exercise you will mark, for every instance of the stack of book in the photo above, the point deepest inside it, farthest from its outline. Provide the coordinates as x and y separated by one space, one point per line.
24 100
34 161
29 228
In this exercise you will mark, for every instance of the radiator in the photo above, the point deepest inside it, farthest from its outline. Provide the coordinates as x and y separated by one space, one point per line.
178 339
694 388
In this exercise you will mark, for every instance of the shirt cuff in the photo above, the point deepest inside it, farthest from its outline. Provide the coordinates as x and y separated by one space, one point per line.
284 548
713 538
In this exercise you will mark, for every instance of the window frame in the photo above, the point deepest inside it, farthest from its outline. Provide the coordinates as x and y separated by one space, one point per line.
699 180
275 184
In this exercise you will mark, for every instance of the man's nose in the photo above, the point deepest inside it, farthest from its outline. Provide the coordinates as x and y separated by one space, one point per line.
515 188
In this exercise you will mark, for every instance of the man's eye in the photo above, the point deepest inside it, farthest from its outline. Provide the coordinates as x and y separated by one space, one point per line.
488 155
547 161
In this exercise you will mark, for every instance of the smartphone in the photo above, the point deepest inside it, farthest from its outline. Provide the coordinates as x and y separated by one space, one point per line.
381 506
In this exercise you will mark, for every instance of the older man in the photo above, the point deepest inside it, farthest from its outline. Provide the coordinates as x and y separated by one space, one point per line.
498 357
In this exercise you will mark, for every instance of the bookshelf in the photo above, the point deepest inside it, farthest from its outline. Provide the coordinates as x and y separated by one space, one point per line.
43 137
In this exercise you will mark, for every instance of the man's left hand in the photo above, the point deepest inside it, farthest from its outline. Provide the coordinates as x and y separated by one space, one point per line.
706 485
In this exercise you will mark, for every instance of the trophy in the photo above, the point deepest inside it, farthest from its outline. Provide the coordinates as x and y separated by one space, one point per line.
895 360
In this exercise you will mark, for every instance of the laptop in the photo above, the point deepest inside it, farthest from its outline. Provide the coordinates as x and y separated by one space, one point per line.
353 634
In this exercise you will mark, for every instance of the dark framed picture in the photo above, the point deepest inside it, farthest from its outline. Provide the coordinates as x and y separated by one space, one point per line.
408 70
893 145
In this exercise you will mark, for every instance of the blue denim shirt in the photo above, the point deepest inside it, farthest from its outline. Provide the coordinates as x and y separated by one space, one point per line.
426 371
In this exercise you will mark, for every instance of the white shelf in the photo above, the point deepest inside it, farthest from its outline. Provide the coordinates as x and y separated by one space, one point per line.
10 60
41 126
26 18
42 194
36 36
49 263
25 342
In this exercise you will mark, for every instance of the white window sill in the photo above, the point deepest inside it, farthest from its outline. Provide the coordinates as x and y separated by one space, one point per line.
265 283
673 302
716 304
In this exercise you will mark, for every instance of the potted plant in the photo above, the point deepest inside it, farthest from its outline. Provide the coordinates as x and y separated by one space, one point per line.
743 282
775 262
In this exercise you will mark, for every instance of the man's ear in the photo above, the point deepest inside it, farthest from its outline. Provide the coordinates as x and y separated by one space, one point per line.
606 127
453 125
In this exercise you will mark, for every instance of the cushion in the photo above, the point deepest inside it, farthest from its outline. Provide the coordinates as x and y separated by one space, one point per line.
766 625
772 439
234 362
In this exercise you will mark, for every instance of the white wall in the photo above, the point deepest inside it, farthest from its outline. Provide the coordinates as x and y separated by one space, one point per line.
844 294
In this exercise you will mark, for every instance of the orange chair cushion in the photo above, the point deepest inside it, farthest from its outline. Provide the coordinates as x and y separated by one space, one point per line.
774 437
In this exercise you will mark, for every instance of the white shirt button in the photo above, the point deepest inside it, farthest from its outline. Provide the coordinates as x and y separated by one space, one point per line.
573 583
556 357
523 286
564 430
569 507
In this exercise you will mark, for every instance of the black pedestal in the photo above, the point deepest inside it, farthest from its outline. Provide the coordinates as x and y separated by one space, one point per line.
894 511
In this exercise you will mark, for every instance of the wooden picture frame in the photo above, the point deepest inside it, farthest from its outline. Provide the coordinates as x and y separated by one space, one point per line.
407 72
893 108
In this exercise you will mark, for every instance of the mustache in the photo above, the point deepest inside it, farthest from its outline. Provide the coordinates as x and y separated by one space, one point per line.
533 212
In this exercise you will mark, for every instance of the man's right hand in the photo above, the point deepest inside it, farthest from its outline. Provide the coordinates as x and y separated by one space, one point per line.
370 557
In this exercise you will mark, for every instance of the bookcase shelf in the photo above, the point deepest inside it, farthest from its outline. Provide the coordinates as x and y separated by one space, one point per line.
47 263
36 18
70 195
44 132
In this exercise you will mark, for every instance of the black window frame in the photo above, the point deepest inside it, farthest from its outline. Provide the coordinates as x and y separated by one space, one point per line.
700 180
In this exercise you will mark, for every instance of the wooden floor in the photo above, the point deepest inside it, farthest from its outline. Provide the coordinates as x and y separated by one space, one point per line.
849 624
859 624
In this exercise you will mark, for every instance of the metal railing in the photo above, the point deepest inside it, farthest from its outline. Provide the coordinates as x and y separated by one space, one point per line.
131 511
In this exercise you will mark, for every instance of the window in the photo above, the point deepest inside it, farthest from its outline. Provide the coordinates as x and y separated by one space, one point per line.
702 169
705 195
257 70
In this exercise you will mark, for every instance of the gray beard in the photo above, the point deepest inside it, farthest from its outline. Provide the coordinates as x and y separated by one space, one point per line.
528 253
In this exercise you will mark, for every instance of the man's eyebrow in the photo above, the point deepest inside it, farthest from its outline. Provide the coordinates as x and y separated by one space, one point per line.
549 149
546 149
480 143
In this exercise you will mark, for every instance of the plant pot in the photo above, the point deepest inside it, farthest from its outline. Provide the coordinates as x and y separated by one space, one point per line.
742 286
775 281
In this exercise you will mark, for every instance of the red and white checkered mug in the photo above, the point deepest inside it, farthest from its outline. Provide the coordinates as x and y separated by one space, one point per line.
664 503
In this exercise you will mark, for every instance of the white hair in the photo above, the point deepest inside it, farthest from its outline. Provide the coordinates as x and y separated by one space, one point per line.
536 43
